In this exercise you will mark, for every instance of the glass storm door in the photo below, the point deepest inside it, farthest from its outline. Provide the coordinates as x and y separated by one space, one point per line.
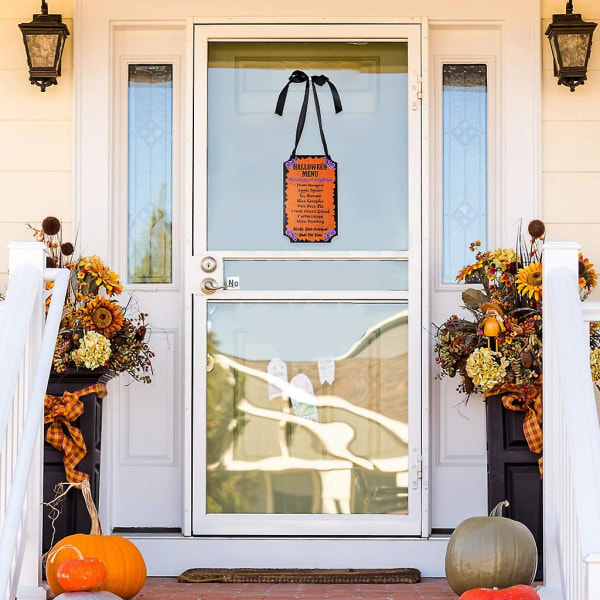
306 355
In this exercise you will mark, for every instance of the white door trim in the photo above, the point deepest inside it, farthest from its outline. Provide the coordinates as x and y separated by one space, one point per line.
94 23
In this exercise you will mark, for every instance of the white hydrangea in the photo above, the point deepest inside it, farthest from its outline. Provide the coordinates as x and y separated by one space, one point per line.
93 352
486 368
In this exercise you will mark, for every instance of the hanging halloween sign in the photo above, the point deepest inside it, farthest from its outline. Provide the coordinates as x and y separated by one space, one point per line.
310 212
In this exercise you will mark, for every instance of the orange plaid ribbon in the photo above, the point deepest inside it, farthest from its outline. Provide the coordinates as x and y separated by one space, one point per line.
512 399
60 411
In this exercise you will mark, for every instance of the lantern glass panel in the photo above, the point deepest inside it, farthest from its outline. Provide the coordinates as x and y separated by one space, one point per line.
573 49
555 53
42 49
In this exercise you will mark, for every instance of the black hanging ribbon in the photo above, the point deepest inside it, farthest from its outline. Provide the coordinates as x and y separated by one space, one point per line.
320 80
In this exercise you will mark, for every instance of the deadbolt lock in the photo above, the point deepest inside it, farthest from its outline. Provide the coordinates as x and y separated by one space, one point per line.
208 264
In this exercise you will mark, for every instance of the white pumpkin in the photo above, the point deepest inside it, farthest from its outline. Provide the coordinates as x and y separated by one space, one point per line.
87 596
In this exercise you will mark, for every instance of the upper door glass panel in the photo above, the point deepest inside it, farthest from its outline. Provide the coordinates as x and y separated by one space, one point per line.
248 143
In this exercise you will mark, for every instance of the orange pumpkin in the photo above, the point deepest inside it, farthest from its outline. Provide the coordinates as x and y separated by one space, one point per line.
124 564
80 574
516 592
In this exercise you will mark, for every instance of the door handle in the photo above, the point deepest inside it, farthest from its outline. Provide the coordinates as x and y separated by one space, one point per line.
209 286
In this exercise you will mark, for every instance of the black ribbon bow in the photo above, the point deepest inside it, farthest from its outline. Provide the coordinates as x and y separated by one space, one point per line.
320 80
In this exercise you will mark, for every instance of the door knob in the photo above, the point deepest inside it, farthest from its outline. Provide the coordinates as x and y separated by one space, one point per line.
209 286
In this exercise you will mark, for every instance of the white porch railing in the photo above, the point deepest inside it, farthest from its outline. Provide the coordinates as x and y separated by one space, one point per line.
26 348
571 434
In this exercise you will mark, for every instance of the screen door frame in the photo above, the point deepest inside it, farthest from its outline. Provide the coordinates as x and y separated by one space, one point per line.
337 525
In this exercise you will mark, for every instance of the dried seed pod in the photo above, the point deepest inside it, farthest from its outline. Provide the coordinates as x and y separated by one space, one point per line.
51 225
67 248
536 229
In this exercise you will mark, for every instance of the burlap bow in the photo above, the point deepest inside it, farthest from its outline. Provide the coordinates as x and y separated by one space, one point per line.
512 399
61 411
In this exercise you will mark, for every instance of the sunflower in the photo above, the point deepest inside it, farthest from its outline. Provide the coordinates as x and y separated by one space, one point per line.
101 315
587 274
100 274
529 280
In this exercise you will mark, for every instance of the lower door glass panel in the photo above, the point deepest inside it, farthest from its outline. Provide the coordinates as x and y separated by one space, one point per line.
307 407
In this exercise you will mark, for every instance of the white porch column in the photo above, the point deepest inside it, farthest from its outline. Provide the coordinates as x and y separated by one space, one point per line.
556 254
30 588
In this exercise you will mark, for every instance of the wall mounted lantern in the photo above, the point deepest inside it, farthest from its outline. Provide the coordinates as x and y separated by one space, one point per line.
571 42
44 40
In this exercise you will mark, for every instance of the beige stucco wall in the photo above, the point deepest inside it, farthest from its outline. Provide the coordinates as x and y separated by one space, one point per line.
35 133
36 139
571 145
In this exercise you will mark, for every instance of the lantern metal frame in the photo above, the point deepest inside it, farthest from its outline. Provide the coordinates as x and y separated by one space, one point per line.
51 25
561 26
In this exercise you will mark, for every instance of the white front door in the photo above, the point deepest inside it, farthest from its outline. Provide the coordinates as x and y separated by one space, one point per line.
307 369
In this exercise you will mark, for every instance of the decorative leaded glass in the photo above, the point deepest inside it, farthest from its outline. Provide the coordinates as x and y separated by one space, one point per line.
465 165
150 174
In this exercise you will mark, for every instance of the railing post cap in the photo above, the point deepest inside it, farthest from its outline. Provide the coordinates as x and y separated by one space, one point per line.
561 246
592 558
20 245
20 253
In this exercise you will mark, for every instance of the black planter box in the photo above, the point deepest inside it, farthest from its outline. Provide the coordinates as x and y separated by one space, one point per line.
513 472
74 516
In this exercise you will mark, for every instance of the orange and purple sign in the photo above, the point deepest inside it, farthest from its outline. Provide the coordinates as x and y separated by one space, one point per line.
310 199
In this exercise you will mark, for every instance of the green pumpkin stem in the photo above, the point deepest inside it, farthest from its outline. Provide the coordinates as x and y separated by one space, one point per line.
497 512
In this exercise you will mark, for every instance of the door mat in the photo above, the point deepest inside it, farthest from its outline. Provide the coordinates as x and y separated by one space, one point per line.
352 576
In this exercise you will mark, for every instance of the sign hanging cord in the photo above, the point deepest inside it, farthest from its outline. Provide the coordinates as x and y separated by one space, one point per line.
320 80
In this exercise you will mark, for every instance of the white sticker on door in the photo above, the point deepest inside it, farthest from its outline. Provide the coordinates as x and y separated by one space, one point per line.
233 283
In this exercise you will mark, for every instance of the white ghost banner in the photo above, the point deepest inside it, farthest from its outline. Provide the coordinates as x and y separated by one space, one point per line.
327 370
301 396
277 369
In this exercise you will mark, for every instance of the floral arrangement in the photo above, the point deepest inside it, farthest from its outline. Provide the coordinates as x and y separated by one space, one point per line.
95 330
498 348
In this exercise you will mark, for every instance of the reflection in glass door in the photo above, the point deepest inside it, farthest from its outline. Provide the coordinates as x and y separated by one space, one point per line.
308 408
306 356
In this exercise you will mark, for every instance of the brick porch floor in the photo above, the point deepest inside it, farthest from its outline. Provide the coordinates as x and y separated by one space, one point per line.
165 588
